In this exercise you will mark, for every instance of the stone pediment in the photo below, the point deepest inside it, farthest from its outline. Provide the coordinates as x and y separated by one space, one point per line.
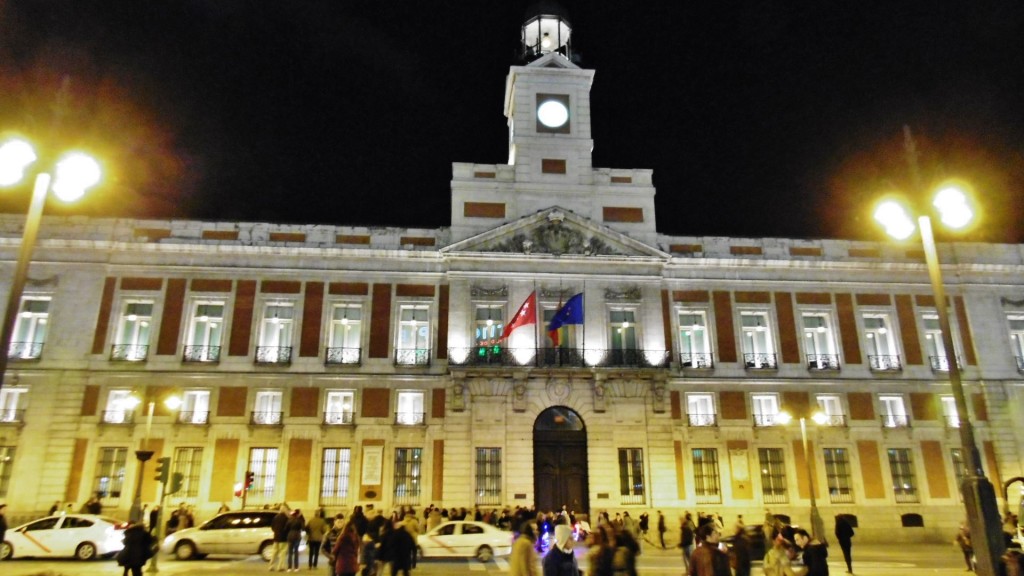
556 232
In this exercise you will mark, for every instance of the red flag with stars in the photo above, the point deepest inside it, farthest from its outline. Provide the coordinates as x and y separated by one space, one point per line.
526 315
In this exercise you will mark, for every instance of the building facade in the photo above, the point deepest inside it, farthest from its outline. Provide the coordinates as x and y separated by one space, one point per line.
344 365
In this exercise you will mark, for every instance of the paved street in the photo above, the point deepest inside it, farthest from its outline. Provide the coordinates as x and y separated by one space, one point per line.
869 560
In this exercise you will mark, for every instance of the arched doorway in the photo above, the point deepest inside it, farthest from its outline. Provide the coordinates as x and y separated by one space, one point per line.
560 461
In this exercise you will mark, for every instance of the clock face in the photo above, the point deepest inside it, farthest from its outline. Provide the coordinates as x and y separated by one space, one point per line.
553 114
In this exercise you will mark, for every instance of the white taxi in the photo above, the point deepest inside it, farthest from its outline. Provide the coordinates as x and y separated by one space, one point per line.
82 536
465 539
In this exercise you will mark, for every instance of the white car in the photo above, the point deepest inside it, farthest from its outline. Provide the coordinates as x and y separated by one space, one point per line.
82 536
465 539
238 533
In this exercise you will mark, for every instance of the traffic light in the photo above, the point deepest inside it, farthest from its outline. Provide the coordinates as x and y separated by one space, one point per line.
250 479
163 469
176 479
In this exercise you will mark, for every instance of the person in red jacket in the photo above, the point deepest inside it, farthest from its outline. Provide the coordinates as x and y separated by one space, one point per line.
346 551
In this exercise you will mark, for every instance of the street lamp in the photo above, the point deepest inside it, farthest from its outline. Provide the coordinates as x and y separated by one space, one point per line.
950 203
817 525
73 174
173 403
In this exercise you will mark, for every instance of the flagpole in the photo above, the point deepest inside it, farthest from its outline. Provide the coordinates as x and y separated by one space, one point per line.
539 319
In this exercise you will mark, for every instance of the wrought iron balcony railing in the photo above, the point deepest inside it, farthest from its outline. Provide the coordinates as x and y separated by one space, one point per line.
835 420
194 417
489 356
626 358
766 420
266 418
941 363
336 356
339 418
273 354
1020 363
884 363
129 352
557 357
118 417
201 354
410 418
895 421
700 360
702 419
412 356
823 362
760 361
25 351
12 416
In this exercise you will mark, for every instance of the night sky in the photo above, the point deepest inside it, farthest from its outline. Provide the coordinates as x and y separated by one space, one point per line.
778 119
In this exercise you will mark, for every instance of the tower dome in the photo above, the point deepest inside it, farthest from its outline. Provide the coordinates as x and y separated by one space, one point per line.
546 29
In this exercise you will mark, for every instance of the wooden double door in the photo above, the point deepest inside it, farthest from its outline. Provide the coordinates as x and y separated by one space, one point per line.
560 461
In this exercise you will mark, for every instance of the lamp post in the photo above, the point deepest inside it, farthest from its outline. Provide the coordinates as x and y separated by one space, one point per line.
174 403
817 524
73 174
978 493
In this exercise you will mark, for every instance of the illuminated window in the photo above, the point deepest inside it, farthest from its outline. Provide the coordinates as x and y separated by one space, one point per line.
408 476
263 465
700 409
413 347
706 476
267 408
487 332
12 403
195 407
1016 323
904 483
773 475
188 461
631 476
894 412
346 334
110 474
30 328
765 408
6 468
409 408
758 351
880 342
694 344
335 472
832 407
132 341
949 412
819 342
120 407
206 327
488 476
339 408
275 343
837 471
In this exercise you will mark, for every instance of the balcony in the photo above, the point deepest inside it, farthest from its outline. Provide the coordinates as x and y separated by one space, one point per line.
12 416
201 354
129 352
884 363
194 417
941 363
412 357
627 358
497 356
266 418
767 420
895 421
410 418
702 420
834 420
339 418
696 360
25 351
118 417
1020 363
281 355
760 361
343 356
823 362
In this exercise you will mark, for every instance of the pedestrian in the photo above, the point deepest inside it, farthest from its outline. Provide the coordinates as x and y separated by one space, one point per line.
296 525
54 508
154 519
138 547
344 554
601 556
626 550
523 560
740 553
777 560
661 529
3 522
330 538
815 553
560 560
687 535
316 529
708 559
844 535
645 524
769 529
963 540
398 547
412 525
279 526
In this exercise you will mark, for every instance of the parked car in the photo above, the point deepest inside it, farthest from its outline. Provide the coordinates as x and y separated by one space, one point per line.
81 536
465 539
238 533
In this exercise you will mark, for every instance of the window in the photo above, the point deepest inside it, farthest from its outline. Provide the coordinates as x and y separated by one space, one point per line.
765 408
949 412
12 404
631 476
904 484
694 344
275 344
413 347
773 475
6 469
339 408
934 346
880 343
837 471
267 409
408 467
623 338
409 408
30 328
487 333
758 351
120 407
110 474
335 471
1016 322
345 343
263 465
700 409
488 476
195 407
819 343
189 463
132 341
206 328
832 407
959 471
894 412
705 476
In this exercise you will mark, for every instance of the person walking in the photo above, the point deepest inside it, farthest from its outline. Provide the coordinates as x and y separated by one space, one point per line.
963 540
138 547
740 553
330 538
688 531
279 526
345 550
560 560
777 560
645 524
523 560
316 529
398 547
296 524
707 558
844 535
3 521
661 529
815 554
412 525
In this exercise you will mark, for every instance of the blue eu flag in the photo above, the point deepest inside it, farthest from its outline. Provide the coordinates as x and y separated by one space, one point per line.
571 313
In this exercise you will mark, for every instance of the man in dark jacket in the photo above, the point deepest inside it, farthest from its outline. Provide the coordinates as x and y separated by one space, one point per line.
707 558
279 525
398 547
844 535
815 553
561 561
